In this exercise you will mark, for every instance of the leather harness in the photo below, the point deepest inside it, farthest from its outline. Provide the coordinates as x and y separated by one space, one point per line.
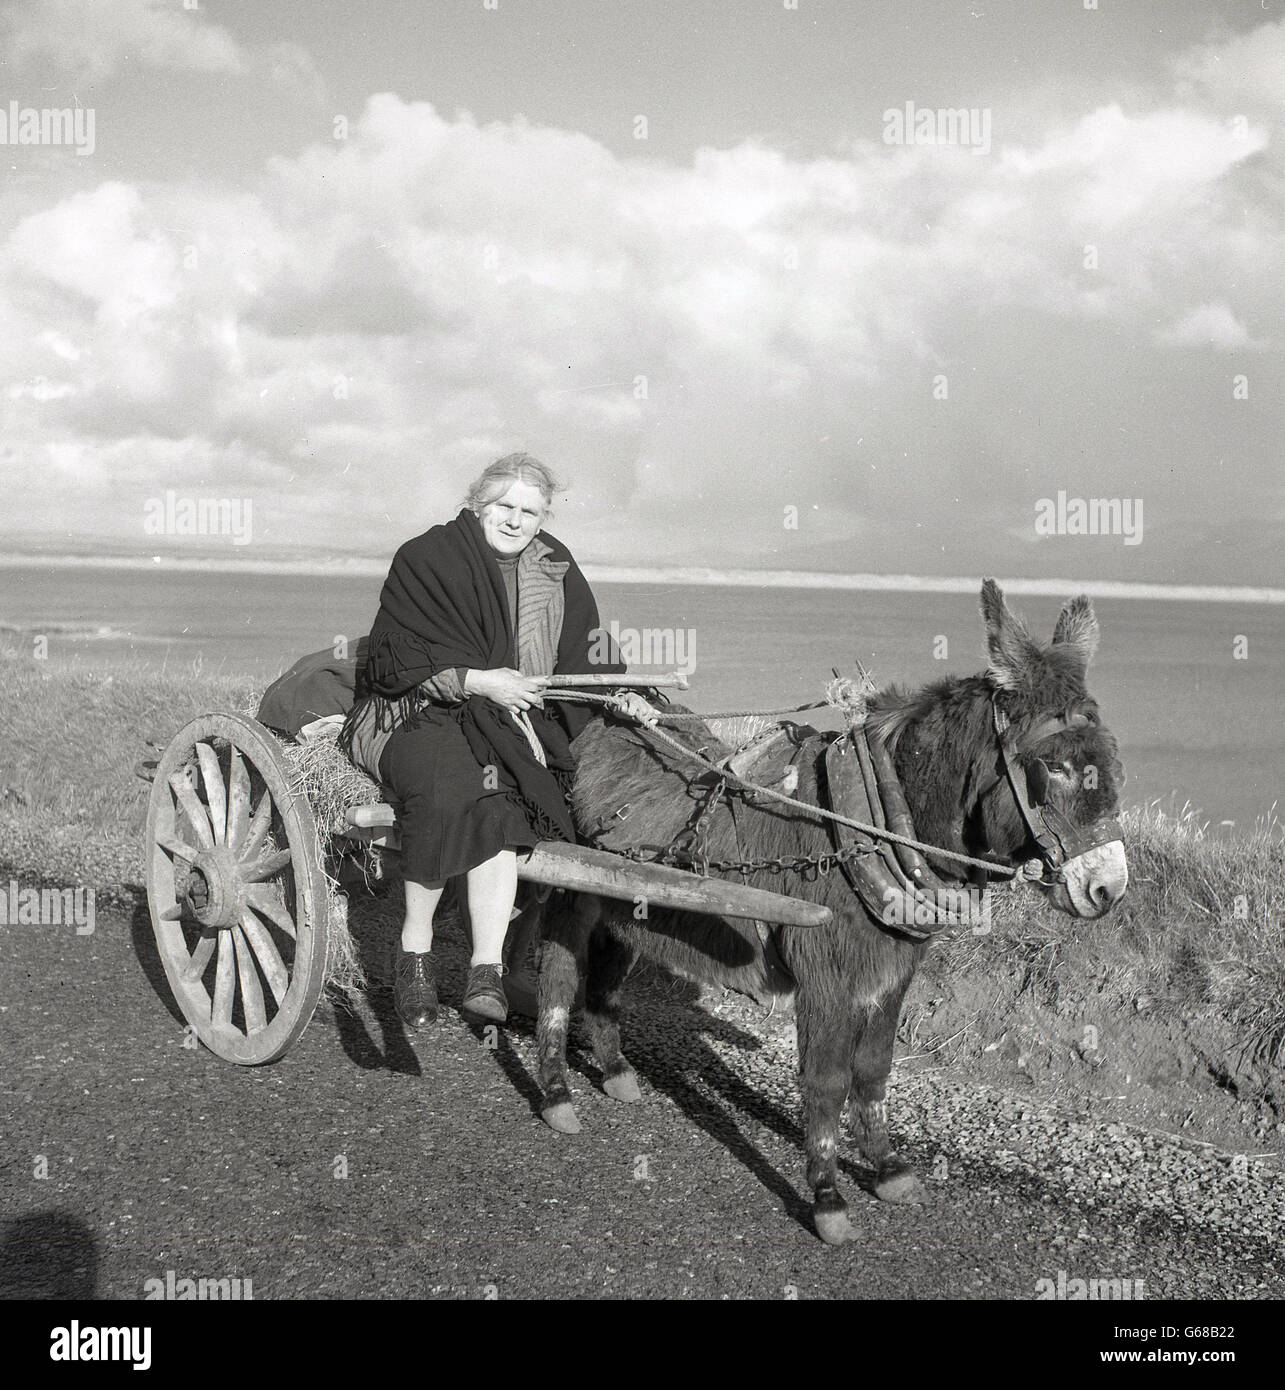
895 882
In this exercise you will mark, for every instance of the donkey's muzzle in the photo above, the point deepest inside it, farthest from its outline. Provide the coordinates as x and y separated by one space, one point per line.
1097 879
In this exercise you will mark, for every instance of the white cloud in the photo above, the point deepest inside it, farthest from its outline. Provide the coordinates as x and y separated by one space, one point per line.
1125 166
105 247
1239 73
91 39
1208 325
94 40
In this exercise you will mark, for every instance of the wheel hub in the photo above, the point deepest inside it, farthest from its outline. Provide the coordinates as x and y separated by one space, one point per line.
214 890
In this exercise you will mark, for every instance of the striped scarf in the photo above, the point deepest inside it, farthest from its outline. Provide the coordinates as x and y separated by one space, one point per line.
541 607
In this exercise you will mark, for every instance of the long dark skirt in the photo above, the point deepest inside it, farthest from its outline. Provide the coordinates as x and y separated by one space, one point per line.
451 821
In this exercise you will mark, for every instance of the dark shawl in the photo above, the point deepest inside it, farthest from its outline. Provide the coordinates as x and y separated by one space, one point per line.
443 605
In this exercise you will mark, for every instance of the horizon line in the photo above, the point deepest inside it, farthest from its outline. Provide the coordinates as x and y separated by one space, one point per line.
699 576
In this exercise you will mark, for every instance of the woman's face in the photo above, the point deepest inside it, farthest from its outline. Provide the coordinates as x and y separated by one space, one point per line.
511 521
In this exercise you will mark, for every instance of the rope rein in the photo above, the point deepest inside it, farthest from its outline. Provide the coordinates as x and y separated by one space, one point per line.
668 717
614 703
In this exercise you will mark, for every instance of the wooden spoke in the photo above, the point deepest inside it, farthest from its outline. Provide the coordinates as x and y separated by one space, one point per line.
267 866
260 824
266 953
224 982
200 958
266 900
192 809
256 1016
171 914
238 799
216 798
180 849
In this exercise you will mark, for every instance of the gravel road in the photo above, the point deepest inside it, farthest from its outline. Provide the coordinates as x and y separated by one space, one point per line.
364 1166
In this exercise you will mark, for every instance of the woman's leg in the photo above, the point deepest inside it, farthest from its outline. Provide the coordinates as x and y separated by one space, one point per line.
417 925
492 888
415 976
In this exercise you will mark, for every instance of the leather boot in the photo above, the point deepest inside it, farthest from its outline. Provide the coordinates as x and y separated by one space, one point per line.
415 988
484 996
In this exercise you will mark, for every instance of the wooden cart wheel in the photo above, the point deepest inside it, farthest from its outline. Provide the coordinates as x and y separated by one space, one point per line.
238 898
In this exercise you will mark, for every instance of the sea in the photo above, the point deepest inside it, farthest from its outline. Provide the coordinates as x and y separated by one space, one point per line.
1190 686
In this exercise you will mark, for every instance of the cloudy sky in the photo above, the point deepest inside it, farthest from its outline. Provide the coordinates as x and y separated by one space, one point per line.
333 258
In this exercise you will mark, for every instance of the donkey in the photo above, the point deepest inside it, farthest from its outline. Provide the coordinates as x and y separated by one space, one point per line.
972 754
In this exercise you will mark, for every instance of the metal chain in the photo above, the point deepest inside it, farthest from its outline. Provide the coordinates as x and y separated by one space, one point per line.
692 840
674 855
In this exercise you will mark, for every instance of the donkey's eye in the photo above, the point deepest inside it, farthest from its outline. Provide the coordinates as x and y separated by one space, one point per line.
1063 774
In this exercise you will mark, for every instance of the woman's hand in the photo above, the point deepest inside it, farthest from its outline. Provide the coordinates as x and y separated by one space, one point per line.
507 688
635 706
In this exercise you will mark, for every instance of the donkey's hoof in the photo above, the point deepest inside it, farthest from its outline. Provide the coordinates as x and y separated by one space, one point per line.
899 1184
562 1117
623 1085
832 1225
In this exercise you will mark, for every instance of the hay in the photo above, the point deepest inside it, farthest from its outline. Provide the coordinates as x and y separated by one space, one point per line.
323 774
851 695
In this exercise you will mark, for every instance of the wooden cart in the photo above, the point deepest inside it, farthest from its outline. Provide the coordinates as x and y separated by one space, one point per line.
238 885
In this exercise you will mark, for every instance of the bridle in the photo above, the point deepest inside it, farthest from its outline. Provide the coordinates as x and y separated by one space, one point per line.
892 873
1056 838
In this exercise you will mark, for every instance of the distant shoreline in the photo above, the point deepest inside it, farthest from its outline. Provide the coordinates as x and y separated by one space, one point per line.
355 568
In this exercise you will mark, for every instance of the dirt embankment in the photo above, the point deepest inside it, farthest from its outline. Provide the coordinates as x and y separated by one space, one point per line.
1062 1037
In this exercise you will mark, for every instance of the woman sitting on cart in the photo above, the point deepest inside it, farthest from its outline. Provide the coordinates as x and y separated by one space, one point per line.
474 618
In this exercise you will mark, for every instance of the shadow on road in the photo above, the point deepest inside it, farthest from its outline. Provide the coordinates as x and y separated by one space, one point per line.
511 1064
693 1069
148 957
396 1055
48 1255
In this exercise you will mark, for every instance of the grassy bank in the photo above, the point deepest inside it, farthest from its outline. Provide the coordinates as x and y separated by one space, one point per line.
1180 990
70 739
1186 976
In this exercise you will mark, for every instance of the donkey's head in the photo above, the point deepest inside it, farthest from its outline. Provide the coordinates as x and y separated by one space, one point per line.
1015 764
1054 787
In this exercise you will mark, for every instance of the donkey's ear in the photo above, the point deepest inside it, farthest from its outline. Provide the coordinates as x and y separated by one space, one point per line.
1077 627
1012 652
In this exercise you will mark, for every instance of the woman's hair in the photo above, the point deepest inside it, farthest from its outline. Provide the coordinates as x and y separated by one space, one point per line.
496 479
